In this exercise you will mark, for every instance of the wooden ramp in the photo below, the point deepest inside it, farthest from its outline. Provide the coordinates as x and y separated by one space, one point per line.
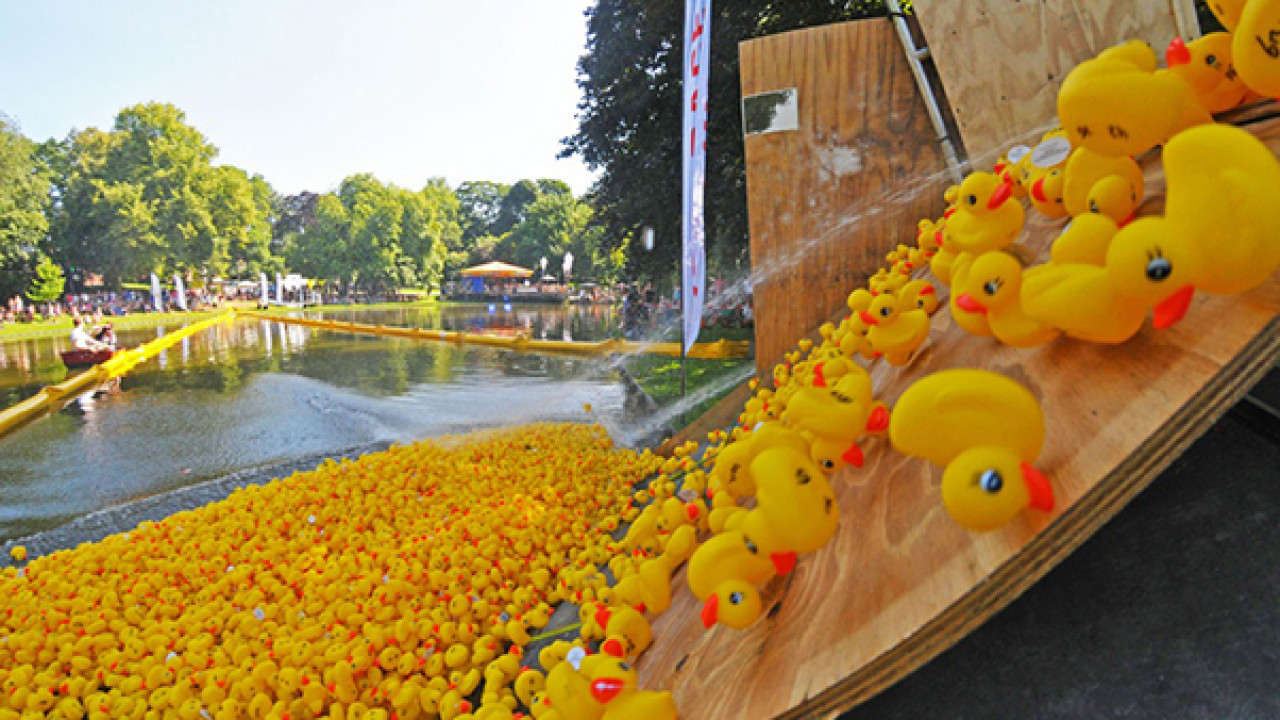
900 582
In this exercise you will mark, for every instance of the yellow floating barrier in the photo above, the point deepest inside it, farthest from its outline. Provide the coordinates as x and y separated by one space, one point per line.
719 350
53 397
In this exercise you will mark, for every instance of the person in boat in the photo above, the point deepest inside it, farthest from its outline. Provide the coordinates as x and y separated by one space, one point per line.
82 340
105 334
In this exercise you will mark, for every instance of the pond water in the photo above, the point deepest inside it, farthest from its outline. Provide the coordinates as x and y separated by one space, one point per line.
254 392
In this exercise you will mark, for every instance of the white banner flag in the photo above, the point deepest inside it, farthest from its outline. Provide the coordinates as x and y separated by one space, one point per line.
279 289
155 293
697 70
180 291
263 293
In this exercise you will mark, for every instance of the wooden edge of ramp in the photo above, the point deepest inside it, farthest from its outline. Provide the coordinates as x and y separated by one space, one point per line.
900 582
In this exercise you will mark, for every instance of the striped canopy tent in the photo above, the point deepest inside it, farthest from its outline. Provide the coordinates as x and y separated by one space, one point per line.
496 270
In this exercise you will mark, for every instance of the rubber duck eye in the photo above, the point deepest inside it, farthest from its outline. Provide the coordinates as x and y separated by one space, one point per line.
1211 60
751 547
885 311
990 287
1093 207
1159 269
735 598
991 481
624 666
972 199
828 465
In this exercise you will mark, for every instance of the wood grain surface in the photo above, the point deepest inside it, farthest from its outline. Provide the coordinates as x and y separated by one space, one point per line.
1002 61
900 582
827 201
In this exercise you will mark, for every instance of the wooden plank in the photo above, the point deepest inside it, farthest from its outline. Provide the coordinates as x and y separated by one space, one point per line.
900 582
1002 62
828 200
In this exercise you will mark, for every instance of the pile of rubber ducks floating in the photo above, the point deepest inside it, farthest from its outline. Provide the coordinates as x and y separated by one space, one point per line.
398 585
408 583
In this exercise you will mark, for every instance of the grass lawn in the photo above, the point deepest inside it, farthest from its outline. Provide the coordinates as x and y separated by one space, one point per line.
62 324
660 375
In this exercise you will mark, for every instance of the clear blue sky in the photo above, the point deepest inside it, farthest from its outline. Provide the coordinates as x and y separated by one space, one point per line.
307 92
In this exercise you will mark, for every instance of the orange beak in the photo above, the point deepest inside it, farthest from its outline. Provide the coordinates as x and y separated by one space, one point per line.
878 420
710 611
783 562
868 318
853 455
819 380
949 212
1177 53
602 616
1038 488
999 195
968 304
1037 190
1171 309
937 237
692 511
612 647
927 290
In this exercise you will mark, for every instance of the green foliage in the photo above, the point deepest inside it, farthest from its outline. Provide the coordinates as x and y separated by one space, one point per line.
48 283
146 197
630 119
24 193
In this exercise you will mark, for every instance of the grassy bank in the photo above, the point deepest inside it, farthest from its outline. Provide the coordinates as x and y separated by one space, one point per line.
61 325
660 375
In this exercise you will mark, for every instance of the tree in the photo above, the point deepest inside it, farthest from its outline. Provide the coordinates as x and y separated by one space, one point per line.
514 204
48 283
24 195
630 119
479 202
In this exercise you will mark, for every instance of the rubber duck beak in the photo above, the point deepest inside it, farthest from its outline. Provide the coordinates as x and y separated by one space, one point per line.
949 212
710 611
879 420
1177 53
938 238
783 562
692 511
853 455
1037 190
868 318
1003 192
819 379
1038 488
968 304
602 617
927 290
612 647
1171 309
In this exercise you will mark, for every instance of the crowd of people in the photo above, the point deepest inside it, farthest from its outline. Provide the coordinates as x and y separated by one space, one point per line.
104 304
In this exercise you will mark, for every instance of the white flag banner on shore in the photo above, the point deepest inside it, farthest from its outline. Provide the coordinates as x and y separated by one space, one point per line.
697 71
262 289
279 289
156 301
180 292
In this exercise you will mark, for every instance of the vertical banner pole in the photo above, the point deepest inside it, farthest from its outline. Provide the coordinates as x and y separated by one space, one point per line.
697 71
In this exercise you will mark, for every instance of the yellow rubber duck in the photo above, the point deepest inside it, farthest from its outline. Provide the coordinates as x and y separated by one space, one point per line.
626 631
1084 240
984 219
1227 11
1215 235
966 318
1096 183
734 603
1255 46
1205 65
1083 302
918 294
993 288
1117 104
728 556
893 333
985 430
836 415
796 508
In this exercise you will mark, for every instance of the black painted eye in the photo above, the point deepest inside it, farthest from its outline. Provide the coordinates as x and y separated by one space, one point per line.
990 287
735 598
1211 60
1093 207
884 311
751 547
624 666
828 465
972 199
991 481
1159 269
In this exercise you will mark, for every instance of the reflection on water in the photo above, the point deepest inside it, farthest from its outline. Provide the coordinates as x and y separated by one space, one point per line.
256 391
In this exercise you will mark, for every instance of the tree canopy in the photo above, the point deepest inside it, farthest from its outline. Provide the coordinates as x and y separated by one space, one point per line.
24 193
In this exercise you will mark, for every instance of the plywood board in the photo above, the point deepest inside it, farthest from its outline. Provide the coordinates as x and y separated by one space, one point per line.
828 200
1002 61
900 582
